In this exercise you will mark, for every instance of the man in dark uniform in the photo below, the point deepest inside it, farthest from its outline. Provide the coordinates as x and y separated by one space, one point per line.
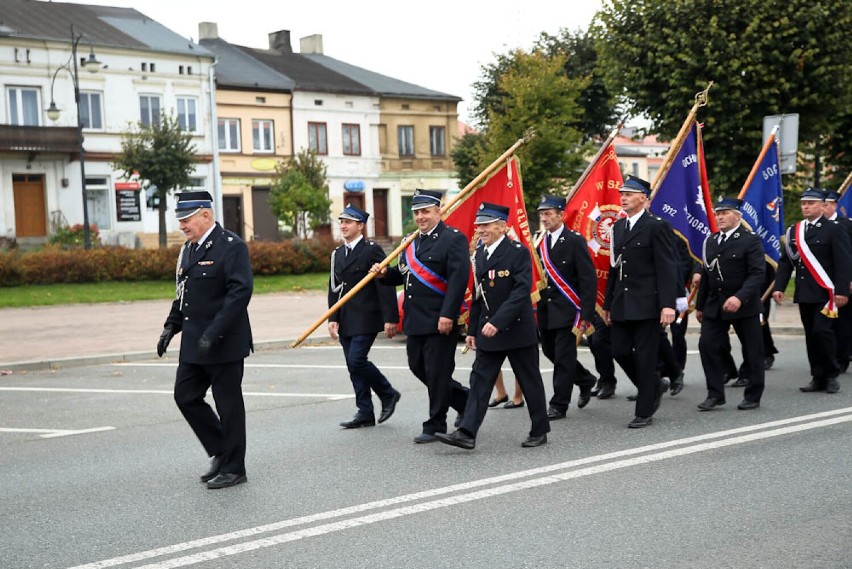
567 304
729 294
501 325
843 323
214 286
372 310
434 270
640 296
823 246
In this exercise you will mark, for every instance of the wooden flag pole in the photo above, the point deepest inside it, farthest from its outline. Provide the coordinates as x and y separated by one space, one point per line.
701 99
845 185
769 142
446 210
594 161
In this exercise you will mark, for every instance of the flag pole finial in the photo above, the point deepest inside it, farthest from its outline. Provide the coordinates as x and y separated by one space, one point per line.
702 97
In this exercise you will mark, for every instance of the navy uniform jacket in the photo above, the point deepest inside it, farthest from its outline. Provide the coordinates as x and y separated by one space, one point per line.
570 256
645 282
445 253
509 306
373 305
829 243
217 286
737 268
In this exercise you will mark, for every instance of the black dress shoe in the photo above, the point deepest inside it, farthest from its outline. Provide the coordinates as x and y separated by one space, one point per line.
677 384
597 389
225 480
389 407
495 402
639 422
359 421
710 403
585 397
424 438
534 441
215 465
740 382
633 397
662 387
457 439
748 405
513 405
726 377
555 414
832 386
768 361
814 385
606 392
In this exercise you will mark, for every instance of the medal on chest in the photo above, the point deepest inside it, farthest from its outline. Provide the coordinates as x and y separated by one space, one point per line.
491 274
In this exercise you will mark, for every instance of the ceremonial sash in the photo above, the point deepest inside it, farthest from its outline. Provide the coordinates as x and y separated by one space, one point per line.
816 270
423 274
557 278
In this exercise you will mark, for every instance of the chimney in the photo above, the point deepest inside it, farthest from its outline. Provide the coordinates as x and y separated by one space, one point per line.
208 31
280 41
311 44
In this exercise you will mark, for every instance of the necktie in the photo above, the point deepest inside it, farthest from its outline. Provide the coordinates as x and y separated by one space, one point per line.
723 238
808 226
346 251
549 242
628 226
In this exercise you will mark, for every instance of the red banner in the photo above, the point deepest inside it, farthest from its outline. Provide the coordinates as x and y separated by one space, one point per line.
593 209
504 188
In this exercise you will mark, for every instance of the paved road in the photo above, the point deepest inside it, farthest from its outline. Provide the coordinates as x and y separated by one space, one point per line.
111 479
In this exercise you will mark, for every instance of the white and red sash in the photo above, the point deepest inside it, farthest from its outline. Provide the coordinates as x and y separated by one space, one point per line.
816 270
561 284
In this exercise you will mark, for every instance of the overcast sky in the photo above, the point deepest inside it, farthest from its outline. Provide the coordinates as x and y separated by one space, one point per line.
441 46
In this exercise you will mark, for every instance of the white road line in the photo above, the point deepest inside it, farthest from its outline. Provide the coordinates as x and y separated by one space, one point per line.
329 396
301 366
54 433
542 476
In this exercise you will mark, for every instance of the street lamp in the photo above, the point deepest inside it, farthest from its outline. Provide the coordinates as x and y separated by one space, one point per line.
92 65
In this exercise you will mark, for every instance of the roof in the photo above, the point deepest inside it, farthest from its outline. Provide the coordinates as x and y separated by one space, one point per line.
386 86
103 25
236 68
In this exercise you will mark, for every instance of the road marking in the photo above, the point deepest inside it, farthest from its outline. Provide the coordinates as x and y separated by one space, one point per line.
501 485
301 366
329 396
54 433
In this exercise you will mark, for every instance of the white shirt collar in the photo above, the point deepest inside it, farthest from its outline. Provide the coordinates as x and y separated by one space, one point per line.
205 236
491 248
554 235
354 242
730 232
634 218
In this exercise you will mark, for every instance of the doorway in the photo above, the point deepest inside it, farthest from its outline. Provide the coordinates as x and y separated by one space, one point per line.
380 213
30 205
232 214
358 201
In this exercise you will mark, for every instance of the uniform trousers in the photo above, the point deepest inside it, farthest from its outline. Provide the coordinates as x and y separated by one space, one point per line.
715 347
819 341
224 434
365 376
560 347
431 358
635 346
524 362
843 327
679 340
600 344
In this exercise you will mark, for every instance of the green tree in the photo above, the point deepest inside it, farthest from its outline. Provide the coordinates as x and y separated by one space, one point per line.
467 155
162 155
766 57
299 193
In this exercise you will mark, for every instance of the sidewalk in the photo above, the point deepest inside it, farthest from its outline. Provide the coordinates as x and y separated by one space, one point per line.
56 336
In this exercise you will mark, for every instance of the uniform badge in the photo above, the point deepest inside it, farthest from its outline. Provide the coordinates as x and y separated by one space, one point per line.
491 275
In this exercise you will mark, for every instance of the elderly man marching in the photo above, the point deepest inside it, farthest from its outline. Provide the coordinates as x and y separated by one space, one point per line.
729 294
819 251
501 326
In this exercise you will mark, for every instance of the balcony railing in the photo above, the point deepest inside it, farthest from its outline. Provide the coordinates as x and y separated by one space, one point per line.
38 139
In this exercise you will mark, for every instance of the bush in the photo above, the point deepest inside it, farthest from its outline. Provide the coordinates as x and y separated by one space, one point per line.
69 237
54 264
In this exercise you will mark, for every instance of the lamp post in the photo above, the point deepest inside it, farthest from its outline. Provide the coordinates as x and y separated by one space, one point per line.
92 65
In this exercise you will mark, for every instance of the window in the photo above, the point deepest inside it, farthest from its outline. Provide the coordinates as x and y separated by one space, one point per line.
187 111
149 110
352 140
634 169
23 106
97 202
90 110
437 140
406 140
262 136
318 137
229 135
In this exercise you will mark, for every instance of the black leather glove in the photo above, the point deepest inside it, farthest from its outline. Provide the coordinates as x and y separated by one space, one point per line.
165 338
204 344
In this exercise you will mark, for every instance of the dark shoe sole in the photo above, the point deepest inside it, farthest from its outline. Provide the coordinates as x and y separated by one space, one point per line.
448 440
242 479
424 438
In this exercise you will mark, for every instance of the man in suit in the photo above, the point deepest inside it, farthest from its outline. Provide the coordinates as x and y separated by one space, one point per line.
434 270
819 251
843 323
640 296
567 304
214 286
729 294
501 326
372 310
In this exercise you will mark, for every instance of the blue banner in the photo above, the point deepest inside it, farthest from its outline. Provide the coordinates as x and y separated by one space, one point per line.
763 204
844 204
681 199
